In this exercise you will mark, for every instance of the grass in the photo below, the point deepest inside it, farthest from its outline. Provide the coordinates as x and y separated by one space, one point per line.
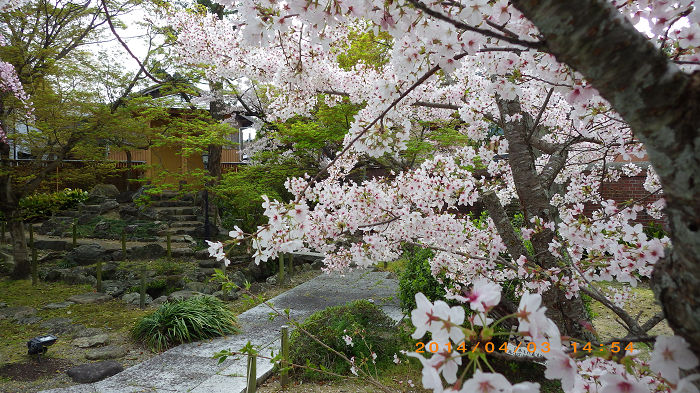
183 321
113 315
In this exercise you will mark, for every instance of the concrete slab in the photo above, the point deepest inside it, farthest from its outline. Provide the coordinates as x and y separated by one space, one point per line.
191 368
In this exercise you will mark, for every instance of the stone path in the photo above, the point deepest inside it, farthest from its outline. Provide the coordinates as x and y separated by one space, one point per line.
191 368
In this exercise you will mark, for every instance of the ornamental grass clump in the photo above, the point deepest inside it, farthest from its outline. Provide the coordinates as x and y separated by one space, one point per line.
182 321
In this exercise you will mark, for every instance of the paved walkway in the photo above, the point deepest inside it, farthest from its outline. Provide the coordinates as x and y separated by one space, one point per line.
190 367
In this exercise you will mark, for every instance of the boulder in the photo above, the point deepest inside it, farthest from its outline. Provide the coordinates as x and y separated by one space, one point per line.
147 214
90 297
55 274
104 353
134 299
58 326
93 372
51 256
54 245
159 300
78 277
182 295
238 278
108 206
128 212
149 251
102 226
115 288
211 263
91 341
105 190
87 254
55 226
17 313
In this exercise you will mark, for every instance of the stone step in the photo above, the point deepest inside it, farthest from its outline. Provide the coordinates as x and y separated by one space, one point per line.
185 224
174 211
181 231
182 217
171 203
172 195
91 208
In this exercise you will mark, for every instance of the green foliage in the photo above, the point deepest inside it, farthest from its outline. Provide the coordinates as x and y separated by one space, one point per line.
239 194
369 327
655 230
366 47
182 321
417 277
43 205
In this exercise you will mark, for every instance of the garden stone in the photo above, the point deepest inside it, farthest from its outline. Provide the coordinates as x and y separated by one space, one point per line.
238 278
54 306
202 254
51 256
55 245
3 304
149 251
159 301
272 280
124 197
210 263
317 265
256 271
93 372
128 212
102 226
104 353
108 206
147 214
86 254
204 273
91 341
105 190
17 313
90 297
85 217
55 226
82 331
182 295
134 298
78 277
55 274
29 320
307 267
114 288
58 326
233 295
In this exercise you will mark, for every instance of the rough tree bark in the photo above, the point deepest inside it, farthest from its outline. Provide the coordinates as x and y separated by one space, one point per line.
534 195
662 105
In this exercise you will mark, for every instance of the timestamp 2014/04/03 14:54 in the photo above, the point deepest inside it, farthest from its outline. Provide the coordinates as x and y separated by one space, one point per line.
531 347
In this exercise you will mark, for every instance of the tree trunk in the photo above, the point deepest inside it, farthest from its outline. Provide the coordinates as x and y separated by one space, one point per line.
130 170
568 314
662 105
19 245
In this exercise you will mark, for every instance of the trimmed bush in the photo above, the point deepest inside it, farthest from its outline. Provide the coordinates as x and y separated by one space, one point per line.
182 321
40 206
369 327
416 277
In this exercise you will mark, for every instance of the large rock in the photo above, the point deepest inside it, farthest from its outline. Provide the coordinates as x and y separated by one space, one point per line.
134 299
115 288
90 297
238 278
128 212
55 245
182 295
59 326
149 251
93 372
87 254
92 341
17 313
53 306
108 205
196 286
105 190
104 353
55 226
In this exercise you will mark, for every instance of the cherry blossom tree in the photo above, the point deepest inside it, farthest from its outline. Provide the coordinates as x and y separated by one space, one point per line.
571 87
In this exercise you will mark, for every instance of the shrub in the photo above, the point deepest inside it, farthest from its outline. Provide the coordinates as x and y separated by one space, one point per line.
44 205
417 277
182 321
369 327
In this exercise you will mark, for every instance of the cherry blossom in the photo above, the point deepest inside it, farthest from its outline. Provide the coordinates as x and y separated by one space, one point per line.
671 354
